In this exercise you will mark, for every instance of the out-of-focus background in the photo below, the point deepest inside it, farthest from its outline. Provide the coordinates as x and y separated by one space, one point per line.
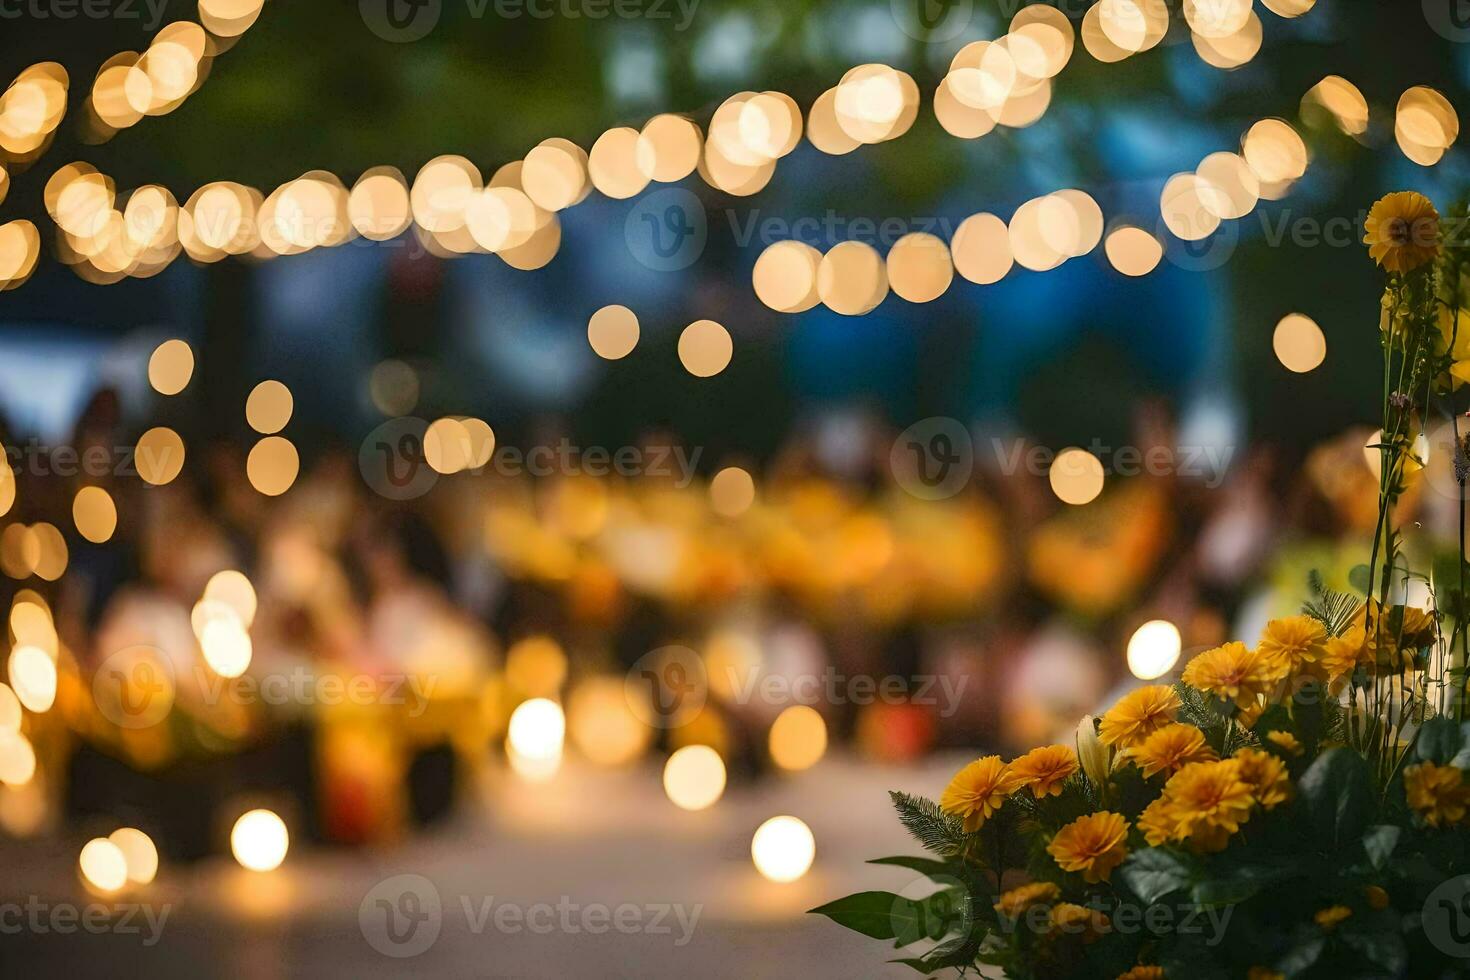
379 603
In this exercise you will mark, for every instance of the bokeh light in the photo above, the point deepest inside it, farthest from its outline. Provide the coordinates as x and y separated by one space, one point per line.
783 849
694 777
259 840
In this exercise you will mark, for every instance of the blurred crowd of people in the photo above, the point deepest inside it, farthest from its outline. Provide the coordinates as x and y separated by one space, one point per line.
390 640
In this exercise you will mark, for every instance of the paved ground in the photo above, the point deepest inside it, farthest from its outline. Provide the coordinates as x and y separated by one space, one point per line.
593 875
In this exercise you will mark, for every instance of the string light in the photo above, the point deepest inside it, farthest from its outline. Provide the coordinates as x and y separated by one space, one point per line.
783 849
694 777
259 840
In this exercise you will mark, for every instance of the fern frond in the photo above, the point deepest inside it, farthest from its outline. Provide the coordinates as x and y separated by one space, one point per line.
934 829
1334 610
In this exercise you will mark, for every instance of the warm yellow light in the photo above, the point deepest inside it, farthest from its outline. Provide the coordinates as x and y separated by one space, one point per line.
613 332
731 492
1299 343
103 865
260 840
17 759
95 514
535 738
852 278
705 348
10 713
1133 251
139 854
159 455
269 407
1076 476
919 267
798 738
272 465
694 777
170 367
536 666
785 276
783 849
226 646
232 588
1153 650
603 726
33 678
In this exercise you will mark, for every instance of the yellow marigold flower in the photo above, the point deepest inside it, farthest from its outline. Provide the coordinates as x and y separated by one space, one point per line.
1210 801
1390 633
1045 769
1018 900
1291 644
1069 918
1285 741
1262 973
1170 748
1094 844
1266 774
1328 918
1377 897
1158 822
1143 973
1402 231
977 791
1234 672
1138 714
1342 654
1437 793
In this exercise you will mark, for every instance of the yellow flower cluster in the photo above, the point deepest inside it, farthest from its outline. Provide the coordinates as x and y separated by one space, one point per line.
1138 715
1436 793
981 788
1015 902
1402 232
1204 803
1092 845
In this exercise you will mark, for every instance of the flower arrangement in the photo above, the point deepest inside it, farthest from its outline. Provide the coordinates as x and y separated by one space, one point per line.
1300 808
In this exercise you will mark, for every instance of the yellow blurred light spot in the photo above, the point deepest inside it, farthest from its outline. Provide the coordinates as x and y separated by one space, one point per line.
226 646
1191 207
613 164
555 174
1233 50
705 348
394 388
536 667
260 840
269 407
170 367
602 725
783 849
379 206
1133 251
1299 343
798 738
159 455
33 678
272 465
1153 650
1232 187
668 148
1076 476
7 487
731 492
613 332
535 739
785 276
447 446
139 854
919 267
95 514
103 865
51 551
694 777
982 249
10 713
1341 101
1275 151
852 278
20 247
17 758
233 589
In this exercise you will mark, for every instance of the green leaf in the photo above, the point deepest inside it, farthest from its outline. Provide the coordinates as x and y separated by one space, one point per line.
877 915
1239 883
1361 578
1304 953
1439 741
936 830
1159 871
1379 842
928 867
1382 947
1337 794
